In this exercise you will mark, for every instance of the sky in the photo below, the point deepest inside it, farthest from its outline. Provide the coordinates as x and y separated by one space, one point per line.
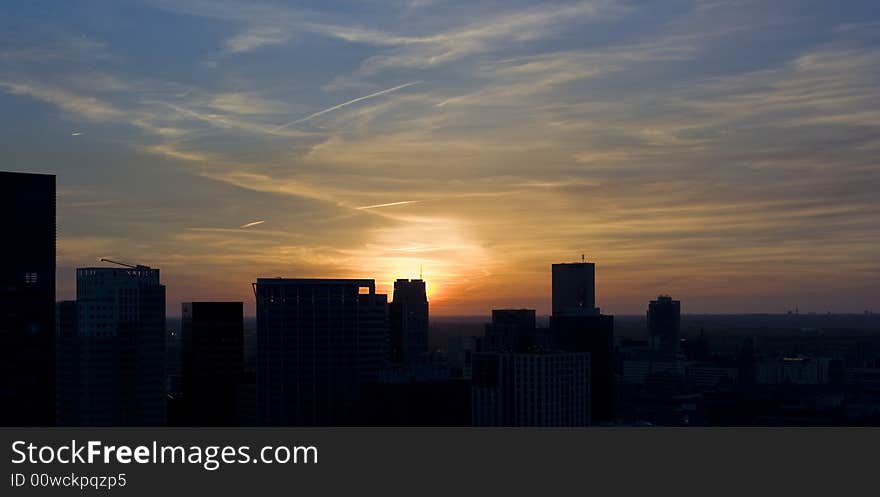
724 152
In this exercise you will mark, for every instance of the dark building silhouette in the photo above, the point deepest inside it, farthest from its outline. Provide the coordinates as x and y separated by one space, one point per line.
514 330
68 374
574 287
523 319
409 322
318 342
593 334
27 299
117 376
212 362
578 326
531 389
246 398
664 324
695 348
413 401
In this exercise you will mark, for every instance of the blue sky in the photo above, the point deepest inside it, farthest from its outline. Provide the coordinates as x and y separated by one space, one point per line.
721 151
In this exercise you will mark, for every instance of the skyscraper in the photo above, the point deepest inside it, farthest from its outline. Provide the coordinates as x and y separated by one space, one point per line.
578 326
574 288
595 335
212 362
121 335
664 324
318 341
409 322
27 298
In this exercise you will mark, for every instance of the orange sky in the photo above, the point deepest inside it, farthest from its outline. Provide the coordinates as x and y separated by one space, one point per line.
722 152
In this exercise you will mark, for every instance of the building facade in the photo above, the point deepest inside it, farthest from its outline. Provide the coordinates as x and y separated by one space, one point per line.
550 389
577 325
514 330
574 288
212 362
409 322
664 324
318 342
27 299
118 376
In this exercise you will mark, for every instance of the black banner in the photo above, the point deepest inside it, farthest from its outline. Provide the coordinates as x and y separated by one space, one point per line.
411 461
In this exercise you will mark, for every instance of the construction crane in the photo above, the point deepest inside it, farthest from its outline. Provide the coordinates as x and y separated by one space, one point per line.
123 264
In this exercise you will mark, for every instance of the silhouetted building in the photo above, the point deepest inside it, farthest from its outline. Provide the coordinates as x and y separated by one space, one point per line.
578 326
421 396
27 299
595 335
574 288
318 342
513 330
409 322
246 399
696 348
664 324
68 374
213 362
119 371
550 389
794 370
459 355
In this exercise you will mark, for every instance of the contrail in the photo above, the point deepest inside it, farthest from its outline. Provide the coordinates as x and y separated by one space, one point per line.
377 206
248 225
77 133
344 104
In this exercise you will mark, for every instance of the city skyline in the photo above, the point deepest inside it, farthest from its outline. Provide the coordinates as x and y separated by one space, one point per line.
722 152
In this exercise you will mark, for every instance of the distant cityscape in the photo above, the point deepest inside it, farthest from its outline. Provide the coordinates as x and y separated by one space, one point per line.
334 352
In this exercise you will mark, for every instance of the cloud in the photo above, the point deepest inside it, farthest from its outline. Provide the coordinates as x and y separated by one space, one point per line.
82 106
256 38
714 136
245 103
251 224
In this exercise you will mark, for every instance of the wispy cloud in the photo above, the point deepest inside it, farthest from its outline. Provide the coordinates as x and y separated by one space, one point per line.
82 106
256 38
714 135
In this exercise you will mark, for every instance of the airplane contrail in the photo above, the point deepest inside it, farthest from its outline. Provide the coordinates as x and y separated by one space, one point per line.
248 225
390 204
344 104
77 133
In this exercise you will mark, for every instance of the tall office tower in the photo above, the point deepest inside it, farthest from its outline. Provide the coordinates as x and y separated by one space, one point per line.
121 331
212 362
574 288
409 322
27 299
578 326
513 330
550 389
664 324
318 342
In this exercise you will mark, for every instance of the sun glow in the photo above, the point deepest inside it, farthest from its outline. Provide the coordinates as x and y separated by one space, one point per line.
437 249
